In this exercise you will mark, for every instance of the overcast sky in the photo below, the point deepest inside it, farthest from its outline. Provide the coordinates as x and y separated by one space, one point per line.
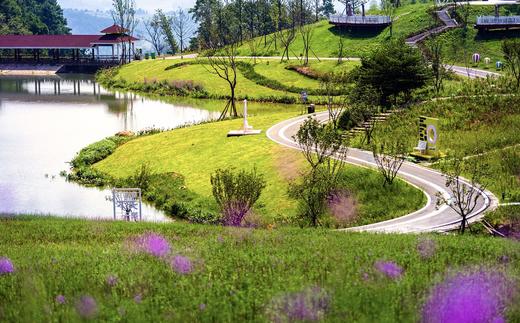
148 5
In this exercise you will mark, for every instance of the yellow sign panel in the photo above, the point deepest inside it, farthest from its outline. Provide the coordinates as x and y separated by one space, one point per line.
429 133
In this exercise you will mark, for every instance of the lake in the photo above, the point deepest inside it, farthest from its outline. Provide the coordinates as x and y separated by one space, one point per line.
45 121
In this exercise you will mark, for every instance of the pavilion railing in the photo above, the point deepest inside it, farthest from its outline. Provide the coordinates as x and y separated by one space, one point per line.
492 20
360 20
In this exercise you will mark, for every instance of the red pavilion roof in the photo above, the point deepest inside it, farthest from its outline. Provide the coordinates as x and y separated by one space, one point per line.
114 29
61 41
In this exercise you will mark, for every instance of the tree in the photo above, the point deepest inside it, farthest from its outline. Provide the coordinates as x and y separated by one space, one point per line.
464 195
435 56
306 32
286 37
390 71
236 193
333 87
341 44
182 27
511 49
328 8
167 29
123 14
389 8
154 33
325 151
389 155
224 65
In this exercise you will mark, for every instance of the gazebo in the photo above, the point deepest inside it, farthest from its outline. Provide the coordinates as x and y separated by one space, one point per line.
351 20
69 49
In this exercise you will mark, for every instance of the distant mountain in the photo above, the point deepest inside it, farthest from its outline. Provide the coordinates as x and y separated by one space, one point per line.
87 21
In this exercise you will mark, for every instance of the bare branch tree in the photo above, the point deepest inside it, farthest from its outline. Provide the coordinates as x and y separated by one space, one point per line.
306 32
286 37
464 196
154 31
435 55
224 65
389 156
183 27
123 14
341 44
333 85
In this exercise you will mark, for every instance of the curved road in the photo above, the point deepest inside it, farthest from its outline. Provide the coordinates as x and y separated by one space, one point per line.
429 218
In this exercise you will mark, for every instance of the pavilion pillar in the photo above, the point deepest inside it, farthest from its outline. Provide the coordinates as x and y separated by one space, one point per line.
496 11
93 58
97 51
112 51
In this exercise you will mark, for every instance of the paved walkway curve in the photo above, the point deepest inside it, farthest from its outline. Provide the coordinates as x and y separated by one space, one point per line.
428 218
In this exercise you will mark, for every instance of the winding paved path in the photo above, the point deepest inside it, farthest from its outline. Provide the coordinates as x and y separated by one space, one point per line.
429 218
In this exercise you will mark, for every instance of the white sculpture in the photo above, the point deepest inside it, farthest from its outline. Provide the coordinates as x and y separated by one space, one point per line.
246 128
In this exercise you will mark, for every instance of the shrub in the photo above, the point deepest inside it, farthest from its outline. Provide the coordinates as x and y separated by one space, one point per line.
236 193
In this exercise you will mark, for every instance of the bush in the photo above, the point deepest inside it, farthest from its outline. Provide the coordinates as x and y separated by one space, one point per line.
236 193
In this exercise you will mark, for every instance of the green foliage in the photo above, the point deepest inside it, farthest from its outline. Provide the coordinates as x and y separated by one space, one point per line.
32 17
237 271
324 149
394 70
511 49
236 193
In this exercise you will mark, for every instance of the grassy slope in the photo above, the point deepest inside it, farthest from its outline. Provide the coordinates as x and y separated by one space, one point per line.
275 70
238 271
472 126
198 151
410 19
139 71
487 44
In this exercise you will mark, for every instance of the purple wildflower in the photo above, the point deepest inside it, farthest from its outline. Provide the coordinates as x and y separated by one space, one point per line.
220 239
308 305
181 265
426 248
138 298
474 297
112 280
153 244
389 268
202 306
60 299
6 266
86 307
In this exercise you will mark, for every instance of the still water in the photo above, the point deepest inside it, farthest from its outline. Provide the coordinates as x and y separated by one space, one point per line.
44 121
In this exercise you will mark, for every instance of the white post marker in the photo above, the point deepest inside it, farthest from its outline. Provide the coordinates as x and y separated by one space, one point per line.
246 128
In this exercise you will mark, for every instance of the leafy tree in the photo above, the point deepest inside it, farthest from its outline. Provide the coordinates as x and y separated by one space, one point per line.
333 86
123 14
391 70
32 17
325 151
511 49
167 29
328 8
236 193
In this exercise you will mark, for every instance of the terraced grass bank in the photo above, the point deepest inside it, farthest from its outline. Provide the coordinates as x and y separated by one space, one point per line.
266 81
72 270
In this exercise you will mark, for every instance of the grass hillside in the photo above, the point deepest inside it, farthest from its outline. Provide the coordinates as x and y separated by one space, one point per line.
487 44
73 270
410 19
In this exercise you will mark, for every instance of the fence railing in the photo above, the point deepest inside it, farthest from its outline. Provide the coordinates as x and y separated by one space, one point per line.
61 60
492 20
361 20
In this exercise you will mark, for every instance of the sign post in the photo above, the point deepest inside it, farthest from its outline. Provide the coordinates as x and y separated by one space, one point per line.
128 202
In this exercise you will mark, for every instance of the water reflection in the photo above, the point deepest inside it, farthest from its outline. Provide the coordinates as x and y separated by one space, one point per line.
44 121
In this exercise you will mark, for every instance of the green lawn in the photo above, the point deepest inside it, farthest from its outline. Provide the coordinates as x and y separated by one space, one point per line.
196 152
156 70
236 273
410 19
